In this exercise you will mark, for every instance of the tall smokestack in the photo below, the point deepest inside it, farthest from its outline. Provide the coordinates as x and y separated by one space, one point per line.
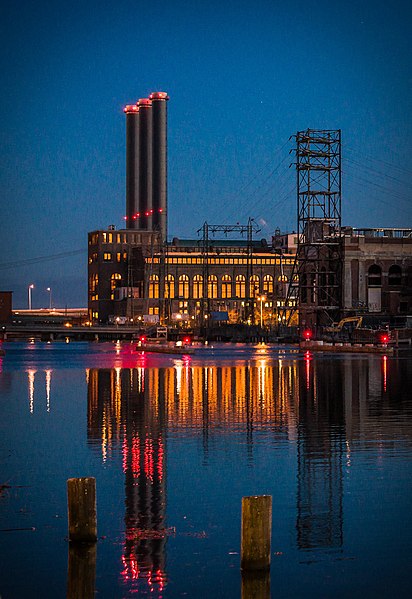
132 165
159 109
145 171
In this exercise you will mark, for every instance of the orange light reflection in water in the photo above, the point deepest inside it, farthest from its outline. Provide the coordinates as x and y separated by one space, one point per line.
385 372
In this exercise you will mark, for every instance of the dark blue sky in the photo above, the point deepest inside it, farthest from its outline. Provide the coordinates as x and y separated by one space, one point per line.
242 77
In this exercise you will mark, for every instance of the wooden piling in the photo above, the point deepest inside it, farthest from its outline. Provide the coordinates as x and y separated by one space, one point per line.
81 499
256 532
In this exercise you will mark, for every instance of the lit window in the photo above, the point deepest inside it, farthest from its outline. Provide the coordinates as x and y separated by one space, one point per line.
107 256
183 307
254 286
240 286
226 286
197 286
212 286
115 280
169 287
153 286
184 286
268 284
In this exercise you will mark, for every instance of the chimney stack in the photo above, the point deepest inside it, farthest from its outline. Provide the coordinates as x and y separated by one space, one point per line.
159 187
132 165
145 171
146 164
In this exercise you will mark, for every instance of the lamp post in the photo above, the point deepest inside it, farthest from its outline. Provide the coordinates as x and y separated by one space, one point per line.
261 299
50 297
31 286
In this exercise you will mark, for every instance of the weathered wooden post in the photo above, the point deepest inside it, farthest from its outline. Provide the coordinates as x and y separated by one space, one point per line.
81 499
256 532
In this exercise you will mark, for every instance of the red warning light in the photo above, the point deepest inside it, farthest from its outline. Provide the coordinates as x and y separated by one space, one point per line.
145 102
142 338
307 334
160 209
130 108
385 338
186 340
159 96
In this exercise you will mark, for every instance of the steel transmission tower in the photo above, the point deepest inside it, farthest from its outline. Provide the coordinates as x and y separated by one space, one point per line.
315 288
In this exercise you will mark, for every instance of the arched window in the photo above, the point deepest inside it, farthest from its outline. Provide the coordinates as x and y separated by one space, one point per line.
184 286
212 286
268 284
169 287
374 276
197 287
254 286
226 286
115 281
240 286
153 286
395 276
282 279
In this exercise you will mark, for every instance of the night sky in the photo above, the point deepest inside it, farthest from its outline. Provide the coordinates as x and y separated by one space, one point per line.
242 78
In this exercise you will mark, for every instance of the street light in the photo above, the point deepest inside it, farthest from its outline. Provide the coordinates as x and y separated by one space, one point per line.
261 299
31 286
50 297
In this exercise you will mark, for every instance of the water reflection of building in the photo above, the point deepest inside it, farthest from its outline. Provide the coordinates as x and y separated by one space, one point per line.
321 445
326 408
130 409
122 412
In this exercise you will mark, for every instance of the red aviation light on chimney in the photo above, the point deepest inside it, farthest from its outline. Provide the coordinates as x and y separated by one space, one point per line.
130 108
144 102
159 96
307 334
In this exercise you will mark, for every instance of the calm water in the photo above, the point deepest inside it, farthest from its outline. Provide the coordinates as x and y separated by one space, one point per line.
174 444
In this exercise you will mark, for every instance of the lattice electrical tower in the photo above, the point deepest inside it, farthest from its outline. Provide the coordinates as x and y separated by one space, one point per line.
316 283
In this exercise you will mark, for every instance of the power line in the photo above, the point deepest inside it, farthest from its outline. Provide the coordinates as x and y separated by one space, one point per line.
40 259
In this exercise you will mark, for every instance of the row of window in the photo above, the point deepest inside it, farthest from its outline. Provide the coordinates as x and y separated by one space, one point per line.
109 237
221 260
109 256
228 288
375 275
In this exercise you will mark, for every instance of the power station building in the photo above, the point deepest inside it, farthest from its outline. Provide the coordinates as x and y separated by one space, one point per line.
137 275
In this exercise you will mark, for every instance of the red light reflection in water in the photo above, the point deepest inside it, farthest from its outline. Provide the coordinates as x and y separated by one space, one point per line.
148 459
160 459
136 455
307 368
385 371
125 451
155 579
